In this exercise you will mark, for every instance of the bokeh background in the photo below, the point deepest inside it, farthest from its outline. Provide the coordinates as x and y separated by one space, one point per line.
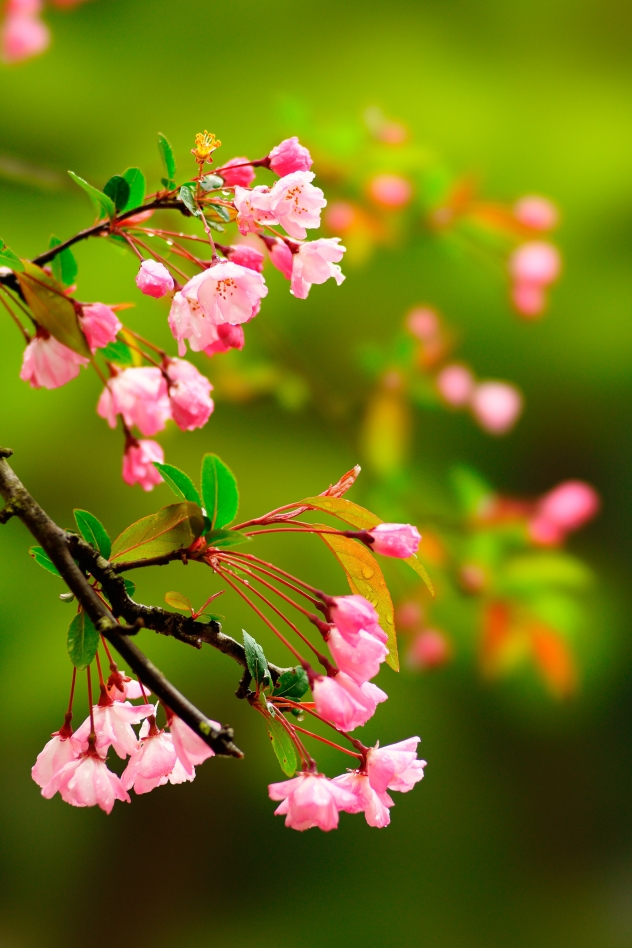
520 834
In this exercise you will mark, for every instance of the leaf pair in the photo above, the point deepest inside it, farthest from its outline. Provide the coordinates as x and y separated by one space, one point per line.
219 492
121 193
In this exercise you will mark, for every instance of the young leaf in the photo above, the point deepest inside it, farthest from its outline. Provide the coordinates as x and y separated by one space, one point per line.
179 482
178 601
225 538
104 205
136 181
117 188
130 587
93 532
215 226
256 661
82 641
292 684
64 265
365 578
43 559
9 259
219 491
188 199
172 528
221 211
211 181
51 308
166 153
118 352
283 747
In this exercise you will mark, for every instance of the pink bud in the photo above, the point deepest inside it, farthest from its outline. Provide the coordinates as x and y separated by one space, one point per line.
529 299
138 466
243 176
395 539
536 212
344 703
496 406
22 37
570 505
429 649
189 394
455 384
544 532
351 614
153 279
246 256
536 262
281 257
423 322
390 190
100 325
290 156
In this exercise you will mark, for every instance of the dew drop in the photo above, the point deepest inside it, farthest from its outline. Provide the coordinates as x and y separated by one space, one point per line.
367 572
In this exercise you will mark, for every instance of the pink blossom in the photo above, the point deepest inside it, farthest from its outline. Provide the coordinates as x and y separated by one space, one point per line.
351 614
536 212
47 363
296 203
23 7
23 36
138 394
154 759
290 156
310 800
228 337
180 321
544 532
225 293
429 649
189 394
395 539
344 703
153 279
409 614
374 805
113 725
55 755
423 323
100 325
529 298
390 190
316 262
87 781
190 747
569 505
455 384
178 774
281 257
253 208
243 176
340 216
360 661
138 464
246 256
395 767
121 687
496 406
535 262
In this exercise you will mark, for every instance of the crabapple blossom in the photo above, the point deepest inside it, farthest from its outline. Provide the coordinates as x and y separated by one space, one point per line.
569 505
496 406
281 257
87 781
310 800
316 262
340 216
47 363
225 293
360 661
344 703
228 337
121 687
100 325
190 748
113 725
246 256
243 176
374 805
23 36
351 614
253 208
535 262
138 464
390 190
289 156
423 323
544 532
152 760
455 384
153 279
140 395
296 203
395 539
537 213
395 767
189 394
55 755
428 649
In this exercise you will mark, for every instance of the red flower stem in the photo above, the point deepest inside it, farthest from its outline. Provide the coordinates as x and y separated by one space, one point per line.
131 242
325 741
92 731
315 714
170 233
101 682
113 665
279 579
265 518
146 342
176 248
352 534
257 559
15 319
306 612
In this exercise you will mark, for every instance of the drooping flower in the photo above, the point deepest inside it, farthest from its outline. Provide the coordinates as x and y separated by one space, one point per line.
189 394
253 208
374 805
140 395
344 703
455 384
535 212
138 464
290 156
47 363
296 203
153 279
87 781
100 325
351 614
23 36
242 176
281 257
120 687
310 800
190 747
246 256
395 767
390 190
570 505
55 755
151 762
228 337
316 262
360 661
395 539
496 406
113 726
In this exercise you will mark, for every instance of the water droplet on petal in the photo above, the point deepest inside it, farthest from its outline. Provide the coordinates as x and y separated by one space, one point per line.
367 572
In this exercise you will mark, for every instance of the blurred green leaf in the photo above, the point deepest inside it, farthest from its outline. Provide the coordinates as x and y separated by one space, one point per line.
166 153
256 661
534 573
215 226
82 641
225 538
211 181
9 259
118 352
103 204
179 482
219 491
64 265
471 489
51 308
130 587
292 684
172 528
93 532
43 559
283 747
136 182
118 190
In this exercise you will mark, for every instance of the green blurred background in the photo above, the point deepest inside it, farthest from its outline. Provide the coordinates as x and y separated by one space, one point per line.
520 833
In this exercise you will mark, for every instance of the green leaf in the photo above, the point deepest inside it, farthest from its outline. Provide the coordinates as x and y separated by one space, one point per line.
292 684
51 308
130 587
538 573
117 188
136 181
82 641
172 528
283 747
215 226
64 265
179 482
178 601
219 491
222 211
43 559
166 153
256 661
211 181
9 259
225 538
188 199
103 203
471 490
118 352
93 532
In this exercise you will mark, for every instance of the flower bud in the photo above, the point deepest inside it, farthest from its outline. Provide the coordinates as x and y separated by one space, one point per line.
242 176
537 213
246 256
395 539
455 384
536 262
289 156
569 505
153 279
390 190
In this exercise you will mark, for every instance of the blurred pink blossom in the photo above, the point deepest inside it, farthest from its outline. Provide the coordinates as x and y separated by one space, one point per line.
189 395
23 36
246 256
138 464
456 384
140 395
428 649
496 406
390 190
100 325
536 212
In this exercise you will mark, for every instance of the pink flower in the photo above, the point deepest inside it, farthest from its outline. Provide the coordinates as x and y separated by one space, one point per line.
23 7
310 800
395 539
225 293
151 763
189 394
100 325
545 532
535 212
243 176
352 614
360 661
138 394
535 262
423 323
290 156
374 805
282 257
316 262
190 747
395 767
253 208
121 687
87 782
228 337
344 703
153 279
529 298
55 755
496 406
296 204
340 216
429 649
455 384
113 725
48 363
570 505
180 321
390 190
246 256
138 464
23 36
